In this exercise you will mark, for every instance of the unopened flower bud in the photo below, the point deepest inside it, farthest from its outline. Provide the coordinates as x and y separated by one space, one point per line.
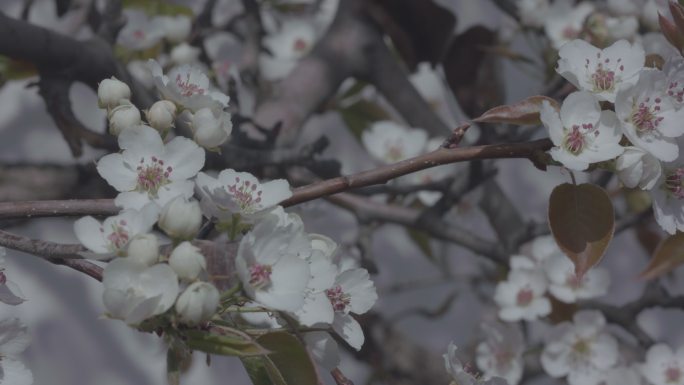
181 218
197 303
122 117
184 53
187 261
161 115
111 91
211 127
144 248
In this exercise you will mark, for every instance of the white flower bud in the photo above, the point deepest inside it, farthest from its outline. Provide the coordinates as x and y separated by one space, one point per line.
211 127
144 248
197 303
161 115
111 91
184 53
123 116
187 261
181 218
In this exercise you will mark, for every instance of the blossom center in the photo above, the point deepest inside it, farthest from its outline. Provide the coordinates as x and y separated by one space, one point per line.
394 150
675 91
246 193
339 299
673 374
300 45
604 80
119 237
573 281
645 116
575 141
260 275
582 347
188 88
524 297
570 32
674 183
152 175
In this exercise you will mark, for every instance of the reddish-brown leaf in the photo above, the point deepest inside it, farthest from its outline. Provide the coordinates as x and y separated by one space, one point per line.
668 255
525 112
582 221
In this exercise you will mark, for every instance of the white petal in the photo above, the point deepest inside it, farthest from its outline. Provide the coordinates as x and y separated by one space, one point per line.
350 330
88 232
115 171
13 372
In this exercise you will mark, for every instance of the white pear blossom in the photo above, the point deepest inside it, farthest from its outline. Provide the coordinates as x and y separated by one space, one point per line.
240 193
465 374
123 116
521 296
500 355
636 167
10 294
668 197
149 170
198 303
390 142
175 28
144 249
564 21
184 53
187 86
14 339
533 13
181 218
140 32
293 40
566 287
270 263
317 307
580 350
664 366
649 117
111 91
141 72
134 292
601 71
211 127
581 132
110 238
187 261
352 292
161 115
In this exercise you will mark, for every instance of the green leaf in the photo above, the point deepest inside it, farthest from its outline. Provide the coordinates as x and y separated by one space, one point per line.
288 363
668 255
231 342
525 112
361 114
13 69
158 7
178 360
582 221
422 240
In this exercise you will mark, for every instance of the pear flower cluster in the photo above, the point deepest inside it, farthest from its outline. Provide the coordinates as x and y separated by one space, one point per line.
524 294
157 272
645 114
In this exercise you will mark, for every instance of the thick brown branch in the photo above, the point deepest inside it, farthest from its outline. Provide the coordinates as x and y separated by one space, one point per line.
40 248
441 156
